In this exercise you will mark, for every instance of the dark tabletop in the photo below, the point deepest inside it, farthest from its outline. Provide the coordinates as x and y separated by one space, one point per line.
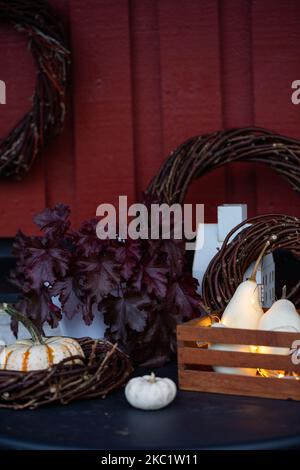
192 421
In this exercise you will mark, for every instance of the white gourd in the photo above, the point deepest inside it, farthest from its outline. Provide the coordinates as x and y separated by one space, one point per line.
231 347
282 316
150 392
243 311
37 353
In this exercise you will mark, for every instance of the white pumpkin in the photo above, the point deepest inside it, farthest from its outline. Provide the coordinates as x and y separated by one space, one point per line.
27 354
150 392
37 353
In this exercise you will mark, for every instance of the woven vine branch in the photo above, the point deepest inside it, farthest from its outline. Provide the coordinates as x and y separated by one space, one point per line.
22 145
240 248
104 369
202 154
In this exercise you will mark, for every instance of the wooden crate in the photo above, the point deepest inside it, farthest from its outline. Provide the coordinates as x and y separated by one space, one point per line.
195 362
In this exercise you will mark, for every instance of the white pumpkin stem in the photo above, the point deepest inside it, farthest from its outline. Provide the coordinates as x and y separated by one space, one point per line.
28 324
256 266
152 378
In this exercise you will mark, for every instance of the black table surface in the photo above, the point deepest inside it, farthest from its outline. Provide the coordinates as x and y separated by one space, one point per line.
193 421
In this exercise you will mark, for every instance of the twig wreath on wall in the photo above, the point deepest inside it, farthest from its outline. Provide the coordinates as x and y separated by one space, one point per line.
20 148
203 154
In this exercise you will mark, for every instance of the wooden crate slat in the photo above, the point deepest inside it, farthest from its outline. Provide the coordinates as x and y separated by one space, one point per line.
191 332
200 356
194 363
239 385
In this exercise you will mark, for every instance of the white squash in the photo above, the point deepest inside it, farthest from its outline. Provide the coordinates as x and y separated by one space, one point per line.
37 353
27 354
282 316
231 347
150 392
244 309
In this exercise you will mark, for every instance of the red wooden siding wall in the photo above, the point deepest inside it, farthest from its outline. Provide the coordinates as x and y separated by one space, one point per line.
147 74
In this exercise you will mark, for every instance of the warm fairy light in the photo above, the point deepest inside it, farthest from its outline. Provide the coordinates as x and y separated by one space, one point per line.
207 321
279 374
211 319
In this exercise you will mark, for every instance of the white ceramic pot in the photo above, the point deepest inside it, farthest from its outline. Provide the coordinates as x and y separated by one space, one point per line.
76 328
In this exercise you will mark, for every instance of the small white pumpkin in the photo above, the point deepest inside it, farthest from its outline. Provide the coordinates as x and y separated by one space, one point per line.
150 392
37 353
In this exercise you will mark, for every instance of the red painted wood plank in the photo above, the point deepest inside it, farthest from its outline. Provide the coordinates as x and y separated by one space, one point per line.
146 89
191 92
276 35
237 92
102 104
19 200
59 156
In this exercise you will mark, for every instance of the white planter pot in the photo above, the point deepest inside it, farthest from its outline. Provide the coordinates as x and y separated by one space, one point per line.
76 327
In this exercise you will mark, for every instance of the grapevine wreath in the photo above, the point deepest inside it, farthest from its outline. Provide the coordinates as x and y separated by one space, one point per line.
202 154
103 369
45 119
240 248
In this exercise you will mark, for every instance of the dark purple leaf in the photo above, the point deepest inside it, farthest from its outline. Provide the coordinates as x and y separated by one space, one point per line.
45 264
68 292
40 309
175 255
183 299
86 240
99 276
153 278
157 343
54 222
128 254
123 313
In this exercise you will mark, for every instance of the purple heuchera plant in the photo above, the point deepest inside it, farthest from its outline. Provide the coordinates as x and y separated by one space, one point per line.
139 286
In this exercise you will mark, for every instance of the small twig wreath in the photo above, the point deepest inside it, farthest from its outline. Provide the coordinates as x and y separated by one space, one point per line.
19 149
240 248
104 369
202 154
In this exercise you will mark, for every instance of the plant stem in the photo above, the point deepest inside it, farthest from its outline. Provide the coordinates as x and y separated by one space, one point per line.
283 295
28 324
254 272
